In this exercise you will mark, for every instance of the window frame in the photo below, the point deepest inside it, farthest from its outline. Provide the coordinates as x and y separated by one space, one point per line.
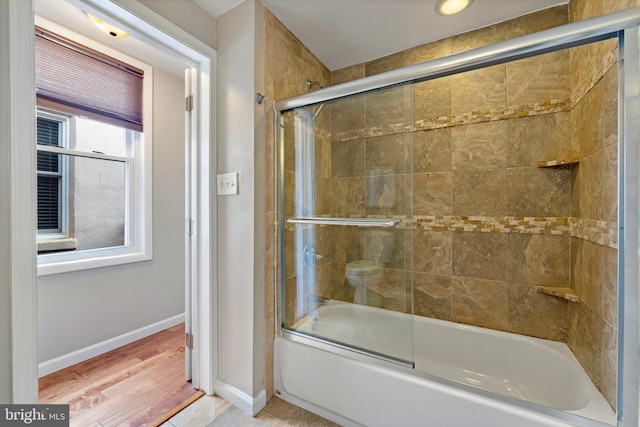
63 211
139 225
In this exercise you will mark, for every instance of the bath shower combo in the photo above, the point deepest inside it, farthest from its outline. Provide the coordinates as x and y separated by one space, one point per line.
350 346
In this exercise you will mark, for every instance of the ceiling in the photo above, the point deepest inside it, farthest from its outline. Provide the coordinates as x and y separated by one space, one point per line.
67 15
347 32
339 32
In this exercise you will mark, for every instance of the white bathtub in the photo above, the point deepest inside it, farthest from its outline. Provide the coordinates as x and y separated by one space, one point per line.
464 375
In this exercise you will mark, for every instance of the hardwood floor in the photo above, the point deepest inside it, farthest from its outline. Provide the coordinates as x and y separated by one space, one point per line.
140 384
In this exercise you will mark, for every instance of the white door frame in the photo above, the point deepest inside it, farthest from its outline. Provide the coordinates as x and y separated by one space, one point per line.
155 30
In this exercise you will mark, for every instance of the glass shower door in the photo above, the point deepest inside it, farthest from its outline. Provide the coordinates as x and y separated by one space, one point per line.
347 241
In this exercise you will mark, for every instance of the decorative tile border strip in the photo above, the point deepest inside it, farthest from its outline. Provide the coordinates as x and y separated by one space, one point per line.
528 110
609 60
604 233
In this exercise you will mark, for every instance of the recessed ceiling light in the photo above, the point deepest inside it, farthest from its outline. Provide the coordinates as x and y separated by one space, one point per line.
450 7
107 28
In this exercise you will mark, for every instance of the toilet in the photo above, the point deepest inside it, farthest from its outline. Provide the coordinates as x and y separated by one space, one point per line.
362 274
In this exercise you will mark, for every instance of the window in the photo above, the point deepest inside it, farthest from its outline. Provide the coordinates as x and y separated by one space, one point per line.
52 183
93 155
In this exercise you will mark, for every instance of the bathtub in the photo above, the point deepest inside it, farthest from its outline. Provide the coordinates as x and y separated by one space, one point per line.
463 375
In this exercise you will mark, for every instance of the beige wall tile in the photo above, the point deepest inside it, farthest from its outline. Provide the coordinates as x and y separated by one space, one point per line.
539 191
610 287
580 10
432 99
432 295
539 79
479 90
347 115
478 38
427 52
347 244
482 192
432 252
432 193
348 158
347 196
432 151
340 289
582 339
538 21
386 63
385 107
352 72
387 155
609 106
479 146
538 138
611 6
609 160
588 194
608 363
289 183
393 290
539 259
480 255
386 247
385 195
479 302
535 314
587 274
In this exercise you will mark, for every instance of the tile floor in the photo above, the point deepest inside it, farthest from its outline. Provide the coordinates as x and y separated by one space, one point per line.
213 411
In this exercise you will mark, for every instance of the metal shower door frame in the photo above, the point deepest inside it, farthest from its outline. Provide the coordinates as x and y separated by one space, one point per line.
622 25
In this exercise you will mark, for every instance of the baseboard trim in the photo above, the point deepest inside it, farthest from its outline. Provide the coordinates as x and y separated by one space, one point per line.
241 400
58 363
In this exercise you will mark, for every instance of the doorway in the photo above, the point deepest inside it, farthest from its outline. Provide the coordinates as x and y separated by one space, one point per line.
201 60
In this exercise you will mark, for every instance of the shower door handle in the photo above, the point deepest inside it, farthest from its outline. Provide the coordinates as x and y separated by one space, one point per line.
358 222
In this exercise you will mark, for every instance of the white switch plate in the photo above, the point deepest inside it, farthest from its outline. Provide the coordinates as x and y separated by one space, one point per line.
227 183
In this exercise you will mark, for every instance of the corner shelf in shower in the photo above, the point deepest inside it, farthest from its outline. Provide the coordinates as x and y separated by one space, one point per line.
565 293
557 163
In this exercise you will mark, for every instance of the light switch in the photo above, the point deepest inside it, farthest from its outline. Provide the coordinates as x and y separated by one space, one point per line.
227 183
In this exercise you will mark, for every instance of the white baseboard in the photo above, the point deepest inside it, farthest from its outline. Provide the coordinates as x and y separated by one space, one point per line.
53 365
241 400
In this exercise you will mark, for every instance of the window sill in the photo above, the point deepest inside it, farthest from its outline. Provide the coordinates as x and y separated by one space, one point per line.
55 245
64 262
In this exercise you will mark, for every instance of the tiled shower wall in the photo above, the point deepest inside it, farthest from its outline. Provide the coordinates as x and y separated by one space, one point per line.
485 225
288 65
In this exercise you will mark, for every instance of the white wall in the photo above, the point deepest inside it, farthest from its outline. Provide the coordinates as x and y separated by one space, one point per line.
187 15
79 309
18 373
240 217
5 211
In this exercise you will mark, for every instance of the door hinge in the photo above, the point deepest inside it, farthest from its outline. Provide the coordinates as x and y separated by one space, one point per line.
188 227
188 103
188 340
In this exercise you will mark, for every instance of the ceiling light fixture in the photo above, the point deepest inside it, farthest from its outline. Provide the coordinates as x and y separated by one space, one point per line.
107 28
450 7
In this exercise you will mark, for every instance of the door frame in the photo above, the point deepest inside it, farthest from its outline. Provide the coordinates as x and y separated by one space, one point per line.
157 31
